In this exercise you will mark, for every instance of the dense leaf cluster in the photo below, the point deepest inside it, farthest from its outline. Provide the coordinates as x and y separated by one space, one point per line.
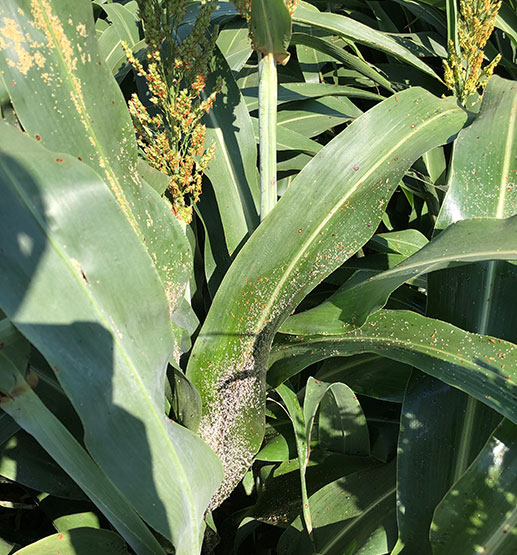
316 355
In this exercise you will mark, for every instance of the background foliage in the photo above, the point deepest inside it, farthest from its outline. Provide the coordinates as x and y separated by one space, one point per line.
333 370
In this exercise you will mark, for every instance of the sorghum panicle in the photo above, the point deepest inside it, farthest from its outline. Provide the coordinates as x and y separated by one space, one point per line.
169 131
463 71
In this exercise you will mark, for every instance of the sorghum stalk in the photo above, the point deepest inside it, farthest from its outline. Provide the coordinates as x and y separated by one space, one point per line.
267 95
270 41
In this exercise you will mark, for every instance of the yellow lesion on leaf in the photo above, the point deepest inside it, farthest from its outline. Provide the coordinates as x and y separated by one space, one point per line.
39 59
28 51
34 44
25 61
47 78
49 24
81 29
173 290
12 37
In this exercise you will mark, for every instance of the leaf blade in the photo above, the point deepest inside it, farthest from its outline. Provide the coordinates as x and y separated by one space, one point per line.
464 241
62 293
356 31
31 414
479 365
463 520
317 213
58 69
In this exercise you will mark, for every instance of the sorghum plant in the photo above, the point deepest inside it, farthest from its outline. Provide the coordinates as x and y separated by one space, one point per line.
356 403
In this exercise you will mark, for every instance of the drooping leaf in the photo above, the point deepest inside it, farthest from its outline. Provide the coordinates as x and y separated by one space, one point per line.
465 241
477 298
341 427
358 32
21 402
479 365
341 55
97 311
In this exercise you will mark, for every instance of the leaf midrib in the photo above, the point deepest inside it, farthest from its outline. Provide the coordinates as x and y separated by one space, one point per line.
474 257
505 170
313 115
